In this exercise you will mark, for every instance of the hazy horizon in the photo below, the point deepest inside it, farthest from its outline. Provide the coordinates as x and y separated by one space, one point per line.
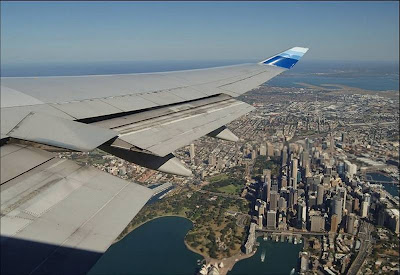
103 31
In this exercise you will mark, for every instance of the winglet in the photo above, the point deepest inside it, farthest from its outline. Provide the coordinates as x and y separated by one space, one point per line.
286 59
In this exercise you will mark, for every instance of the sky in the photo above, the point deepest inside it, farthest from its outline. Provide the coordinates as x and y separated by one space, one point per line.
48 32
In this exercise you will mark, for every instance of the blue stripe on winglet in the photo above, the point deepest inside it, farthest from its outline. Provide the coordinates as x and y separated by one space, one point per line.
281 61
286 59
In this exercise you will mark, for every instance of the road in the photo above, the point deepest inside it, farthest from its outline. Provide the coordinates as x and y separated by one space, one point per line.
365 237
294 232
225 195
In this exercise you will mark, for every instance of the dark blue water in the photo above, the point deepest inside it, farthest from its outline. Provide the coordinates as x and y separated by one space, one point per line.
157 247
376 83
391 188
378 177
280 258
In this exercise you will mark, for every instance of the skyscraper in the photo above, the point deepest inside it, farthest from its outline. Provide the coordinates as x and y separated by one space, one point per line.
356 205
364 209
273 204
350 223
312 200
305 159
349 205
317 223
267 175
283 182
343 195
284 156
293 169
282 205
320 194
334 223
271 219
292 198
336 208
301 213
267 190
270 149
260 222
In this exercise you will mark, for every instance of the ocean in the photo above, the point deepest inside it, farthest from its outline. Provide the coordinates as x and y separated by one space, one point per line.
377 76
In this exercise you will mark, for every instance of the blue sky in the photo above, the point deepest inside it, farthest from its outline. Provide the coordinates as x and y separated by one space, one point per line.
33 32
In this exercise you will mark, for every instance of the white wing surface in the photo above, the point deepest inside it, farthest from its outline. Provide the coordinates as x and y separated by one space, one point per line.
57 215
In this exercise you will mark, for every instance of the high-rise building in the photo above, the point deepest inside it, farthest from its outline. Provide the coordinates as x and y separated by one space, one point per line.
267 190
317 223
267 175
301 213
312 200
283 182
270 149
350 223
263 150
350 168
308 171
320 194
365 205
261 209
271 219
356 205
364 209
191 152
334 223
273 204
284 156
349 205
282 205
293 169
393 219
342 192
305 160
260 221
292 198
336 208
367 198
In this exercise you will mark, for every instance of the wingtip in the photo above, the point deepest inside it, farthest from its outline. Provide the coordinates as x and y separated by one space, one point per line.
286 59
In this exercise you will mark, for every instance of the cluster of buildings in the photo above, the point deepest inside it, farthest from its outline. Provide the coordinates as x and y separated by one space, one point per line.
326 143
319 190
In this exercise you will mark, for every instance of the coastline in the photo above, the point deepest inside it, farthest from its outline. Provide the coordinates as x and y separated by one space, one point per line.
129 230
228 263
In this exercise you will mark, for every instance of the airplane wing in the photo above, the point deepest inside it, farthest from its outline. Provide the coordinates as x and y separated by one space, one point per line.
58 211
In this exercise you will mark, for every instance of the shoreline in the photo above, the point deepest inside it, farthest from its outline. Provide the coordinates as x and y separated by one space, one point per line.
227 262
139 225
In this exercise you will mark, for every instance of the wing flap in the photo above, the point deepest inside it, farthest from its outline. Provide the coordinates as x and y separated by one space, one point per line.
58 212
11 156
59 132
164 134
